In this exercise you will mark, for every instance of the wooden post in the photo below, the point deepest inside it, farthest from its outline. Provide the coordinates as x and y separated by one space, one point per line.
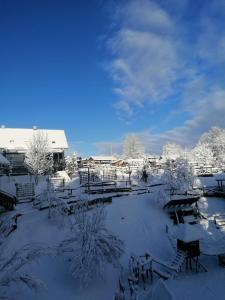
88 178
80 176
49 198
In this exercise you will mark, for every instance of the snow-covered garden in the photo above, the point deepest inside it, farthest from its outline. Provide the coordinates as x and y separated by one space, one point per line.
49 258
114 232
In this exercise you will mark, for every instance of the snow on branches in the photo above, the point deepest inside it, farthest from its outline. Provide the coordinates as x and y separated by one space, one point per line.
91 246
71 164
11 268
132 147
172 151
38 156
214 142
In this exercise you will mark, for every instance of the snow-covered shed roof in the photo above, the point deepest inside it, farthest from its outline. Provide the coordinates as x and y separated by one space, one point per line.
188 233
19 138
3 160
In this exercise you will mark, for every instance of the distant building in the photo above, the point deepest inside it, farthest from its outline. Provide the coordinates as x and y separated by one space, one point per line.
98 160
14 143
103 160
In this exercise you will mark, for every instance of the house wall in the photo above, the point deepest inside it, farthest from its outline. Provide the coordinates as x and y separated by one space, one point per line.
17 160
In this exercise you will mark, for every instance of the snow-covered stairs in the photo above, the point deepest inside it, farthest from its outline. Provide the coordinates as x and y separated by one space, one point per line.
178 260
180 256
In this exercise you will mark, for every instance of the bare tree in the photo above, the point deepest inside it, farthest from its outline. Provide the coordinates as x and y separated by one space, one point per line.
91 246
38 156
172 151
132 147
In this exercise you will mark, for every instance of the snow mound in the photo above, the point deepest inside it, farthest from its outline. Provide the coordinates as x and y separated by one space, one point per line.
160 292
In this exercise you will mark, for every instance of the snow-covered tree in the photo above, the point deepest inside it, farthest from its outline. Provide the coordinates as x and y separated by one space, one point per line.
160 197
38 156
11 268
172 151
71 164
214 140
91 246
203 155
132 147
179 175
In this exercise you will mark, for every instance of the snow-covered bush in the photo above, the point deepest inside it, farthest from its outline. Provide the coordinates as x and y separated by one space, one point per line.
11 268
91 246
38 157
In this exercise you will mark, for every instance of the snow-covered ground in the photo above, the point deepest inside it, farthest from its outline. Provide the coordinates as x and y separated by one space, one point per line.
137 220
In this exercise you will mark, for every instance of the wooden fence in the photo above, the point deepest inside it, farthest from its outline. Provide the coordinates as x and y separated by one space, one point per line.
25 191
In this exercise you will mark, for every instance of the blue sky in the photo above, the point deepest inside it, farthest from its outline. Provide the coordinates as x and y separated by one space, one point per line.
103 69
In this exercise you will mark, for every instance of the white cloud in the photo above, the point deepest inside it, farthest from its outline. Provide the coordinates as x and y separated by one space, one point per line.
159 51
144 15
206 113
146 62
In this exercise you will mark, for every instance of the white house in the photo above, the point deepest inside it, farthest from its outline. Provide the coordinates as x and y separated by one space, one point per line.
14 144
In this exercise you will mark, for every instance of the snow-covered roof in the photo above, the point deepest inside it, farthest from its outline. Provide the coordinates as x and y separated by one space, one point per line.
153 156
135 159
188 233
160 292
19 138
3 160
103 158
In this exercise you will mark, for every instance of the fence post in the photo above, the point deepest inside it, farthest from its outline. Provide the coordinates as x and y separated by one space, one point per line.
16 185
88 178
49 197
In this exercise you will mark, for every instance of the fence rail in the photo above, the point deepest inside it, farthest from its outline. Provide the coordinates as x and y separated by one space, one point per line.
25 191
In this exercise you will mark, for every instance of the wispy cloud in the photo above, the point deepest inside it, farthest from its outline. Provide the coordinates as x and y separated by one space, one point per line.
146 61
